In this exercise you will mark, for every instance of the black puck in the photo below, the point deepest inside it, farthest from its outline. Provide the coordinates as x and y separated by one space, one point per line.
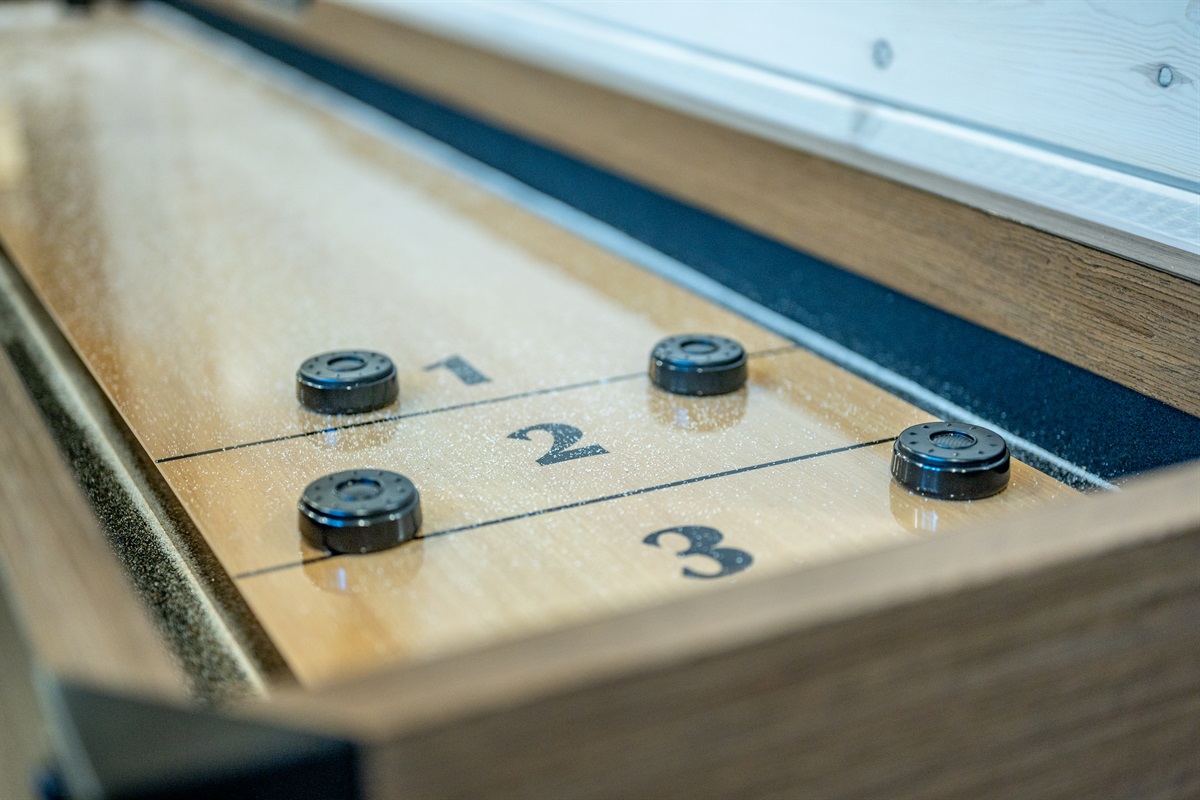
346 382
360 511
950 461
698 364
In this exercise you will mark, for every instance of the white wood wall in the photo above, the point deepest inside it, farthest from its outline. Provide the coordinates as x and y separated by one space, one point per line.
1079 75
1086 109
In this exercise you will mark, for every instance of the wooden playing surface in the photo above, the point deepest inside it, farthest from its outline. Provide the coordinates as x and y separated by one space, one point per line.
198 231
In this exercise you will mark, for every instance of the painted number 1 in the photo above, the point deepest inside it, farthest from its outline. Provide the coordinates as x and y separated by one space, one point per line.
703 542
461 370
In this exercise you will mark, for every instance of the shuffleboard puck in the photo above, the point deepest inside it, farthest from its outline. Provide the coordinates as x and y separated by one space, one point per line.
360 511
698 364
950 461
346 382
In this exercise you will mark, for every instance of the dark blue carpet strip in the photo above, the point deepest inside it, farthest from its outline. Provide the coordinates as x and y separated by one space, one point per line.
1088 420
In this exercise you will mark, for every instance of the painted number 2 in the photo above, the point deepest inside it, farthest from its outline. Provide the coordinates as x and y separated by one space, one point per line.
564 437
703 542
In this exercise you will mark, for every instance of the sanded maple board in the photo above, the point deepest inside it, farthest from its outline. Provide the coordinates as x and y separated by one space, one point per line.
197 232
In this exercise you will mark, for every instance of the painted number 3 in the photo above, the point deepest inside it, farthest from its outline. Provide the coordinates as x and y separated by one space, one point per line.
703 542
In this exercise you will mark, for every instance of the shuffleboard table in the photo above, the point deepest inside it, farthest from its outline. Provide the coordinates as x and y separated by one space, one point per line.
615 590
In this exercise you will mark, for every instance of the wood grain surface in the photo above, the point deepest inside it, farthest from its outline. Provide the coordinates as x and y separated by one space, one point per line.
1134 325
475 581
198 231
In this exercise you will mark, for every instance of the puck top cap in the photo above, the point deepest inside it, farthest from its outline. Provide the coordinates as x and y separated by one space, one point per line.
698 364
347 382
360 511
950 461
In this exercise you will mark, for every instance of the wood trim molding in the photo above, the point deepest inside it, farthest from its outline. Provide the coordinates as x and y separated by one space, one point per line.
1120 319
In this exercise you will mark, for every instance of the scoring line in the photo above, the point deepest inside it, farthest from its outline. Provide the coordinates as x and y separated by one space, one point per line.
581 503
